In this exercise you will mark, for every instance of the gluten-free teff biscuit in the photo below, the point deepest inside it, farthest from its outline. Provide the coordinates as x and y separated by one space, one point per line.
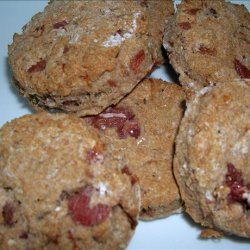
212 158
82 56
209 41
60 189
140 133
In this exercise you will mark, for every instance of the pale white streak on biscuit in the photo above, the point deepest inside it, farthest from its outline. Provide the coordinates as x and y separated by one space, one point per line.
73 32
204 90
184 166
142 139
58 209
112 115
209 195
102 188
117 39
241 147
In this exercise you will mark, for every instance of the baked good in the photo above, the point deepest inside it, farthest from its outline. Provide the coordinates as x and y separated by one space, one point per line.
82 56
140 133
212 158
208 42
60 189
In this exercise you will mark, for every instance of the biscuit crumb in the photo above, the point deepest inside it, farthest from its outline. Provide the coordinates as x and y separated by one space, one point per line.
211 233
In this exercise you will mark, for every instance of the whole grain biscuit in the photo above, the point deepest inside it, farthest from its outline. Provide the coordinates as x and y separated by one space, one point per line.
140 133
208 41
82 56
60 188
212 158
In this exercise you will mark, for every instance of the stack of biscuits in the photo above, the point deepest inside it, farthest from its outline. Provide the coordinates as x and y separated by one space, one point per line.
109 145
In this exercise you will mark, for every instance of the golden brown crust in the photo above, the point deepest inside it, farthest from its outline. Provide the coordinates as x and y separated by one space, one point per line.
208 41
53 167
82 56
157 109
211 164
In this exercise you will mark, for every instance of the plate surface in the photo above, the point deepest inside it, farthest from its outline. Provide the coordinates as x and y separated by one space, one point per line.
174 232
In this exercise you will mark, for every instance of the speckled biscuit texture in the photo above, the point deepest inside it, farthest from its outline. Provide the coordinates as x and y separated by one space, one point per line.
208 41
82 56
212 158
140 132
60 189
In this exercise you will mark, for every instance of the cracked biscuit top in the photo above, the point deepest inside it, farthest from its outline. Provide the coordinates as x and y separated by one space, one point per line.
140 132
82 56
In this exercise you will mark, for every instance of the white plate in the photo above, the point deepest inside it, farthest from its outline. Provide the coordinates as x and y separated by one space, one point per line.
174 232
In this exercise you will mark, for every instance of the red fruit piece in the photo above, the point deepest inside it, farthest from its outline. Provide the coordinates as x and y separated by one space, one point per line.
60 24
241 69
8 214
117 117
235 181
137 60
133 178
205 50
81 212
94 155
39 66
130 128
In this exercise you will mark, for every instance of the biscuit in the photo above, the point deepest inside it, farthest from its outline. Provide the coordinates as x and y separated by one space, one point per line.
82 56
208 41
140 132
60 189
212 158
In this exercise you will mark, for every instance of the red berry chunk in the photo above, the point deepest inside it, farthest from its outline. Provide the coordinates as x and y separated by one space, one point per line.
133 178
117 117
8 214
39 66
241 69
60 24
234 180
137 60
81 212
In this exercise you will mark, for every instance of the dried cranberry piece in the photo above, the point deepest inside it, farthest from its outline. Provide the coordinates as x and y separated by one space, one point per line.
60 24
137 60
81 212
94 155
24 235
241 69
133 178
130 128
39 66
235 181
8 214
205 50
117 117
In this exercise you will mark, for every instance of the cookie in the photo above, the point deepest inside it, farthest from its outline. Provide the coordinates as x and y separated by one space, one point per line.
212 158
140 132
208 41
82 56
60 189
